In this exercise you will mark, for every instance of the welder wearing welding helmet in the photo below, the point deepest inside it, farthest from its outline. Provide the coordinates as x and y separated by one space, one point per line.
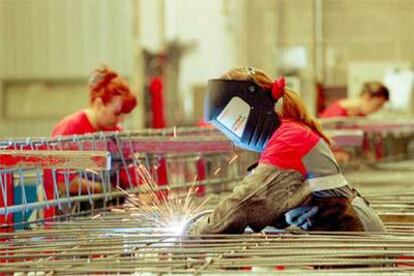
297 181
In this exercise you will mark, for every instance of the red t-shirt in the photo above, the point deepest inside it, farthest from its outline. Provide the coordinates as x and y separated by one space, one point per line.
77 123
334 110
288 145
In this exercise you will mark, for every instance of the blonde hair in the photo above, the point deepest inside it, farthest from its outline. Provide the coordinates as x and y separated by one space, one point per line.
293 107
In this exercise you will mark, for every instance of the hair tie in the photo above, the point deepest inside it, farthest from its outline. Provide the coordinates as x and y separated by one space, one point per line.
278 88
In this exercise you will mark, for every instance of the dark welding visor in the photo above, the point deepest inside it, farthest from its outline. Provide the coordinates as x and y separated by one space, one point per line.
243 111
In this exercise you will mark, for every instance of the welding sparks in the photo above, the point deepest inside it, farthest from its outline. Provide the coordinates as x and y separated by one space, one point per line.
217 171
233 159
97 216
154 206
116 210
176 226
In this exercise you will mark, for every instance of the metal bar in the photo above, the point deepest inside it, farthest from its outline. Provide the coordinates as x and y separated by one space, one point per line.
96 160
346 137
213 142
370 125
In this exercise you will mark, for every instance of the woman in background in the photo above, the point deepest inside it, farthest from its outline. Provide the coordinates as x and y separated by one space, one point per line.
110 100
373 96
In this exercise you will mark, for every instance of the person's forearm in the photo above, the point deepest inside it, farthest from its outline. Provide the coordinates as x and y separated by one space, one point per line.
257 201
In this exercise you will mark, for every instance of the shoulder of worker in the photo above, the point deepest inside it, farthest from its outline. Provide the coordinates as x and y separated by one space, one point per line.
292 140
70 124
293 134
335 109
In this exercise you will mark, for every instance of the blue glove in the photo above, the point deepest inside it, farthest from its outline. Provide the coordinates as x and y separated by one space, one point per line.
301 216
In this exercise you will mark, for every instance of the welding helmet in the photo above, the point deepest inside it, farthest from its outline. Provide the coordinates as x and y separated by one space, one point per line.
243 111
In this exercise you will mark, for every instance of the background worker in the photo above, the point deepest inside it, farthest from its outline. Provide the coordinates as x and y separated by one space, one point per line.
371 99
110 100
297 181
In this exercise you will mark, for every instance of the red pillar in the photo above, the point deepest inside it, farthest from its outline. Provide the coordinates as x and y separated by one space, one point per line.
6 200
49 189
156 89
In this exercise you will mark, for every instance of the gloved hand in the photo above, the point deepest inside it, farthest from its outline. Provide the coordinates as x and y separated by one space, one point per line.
301 216
195 225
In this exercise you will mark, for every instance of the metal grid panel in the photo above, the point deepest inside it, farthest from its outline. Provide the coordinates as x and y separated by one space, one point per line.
175 155
114 242
105 245
171 156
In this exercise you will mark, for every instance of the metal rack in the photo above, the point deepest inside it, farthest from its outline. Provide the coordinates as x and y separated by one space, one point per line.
380 140
119 242
115 243
111 240
171 156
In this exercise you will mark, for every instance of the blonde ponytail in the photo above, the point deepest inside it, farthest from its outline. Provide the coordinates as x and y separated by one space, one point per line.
293 107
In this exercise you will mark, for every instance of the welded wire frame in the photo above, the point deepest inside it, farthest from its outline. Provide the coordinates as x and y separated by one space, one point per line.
16 166
382 140
115 243
179 152
182 158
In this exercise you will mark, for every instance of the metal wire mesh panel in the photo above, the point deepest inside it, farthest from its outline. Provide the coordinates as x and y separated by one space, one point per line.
126 240
172 162
381 140
114 243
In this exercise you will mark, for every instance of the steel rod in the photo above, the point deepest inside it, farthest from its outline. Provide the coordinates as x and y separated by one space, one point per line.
93 160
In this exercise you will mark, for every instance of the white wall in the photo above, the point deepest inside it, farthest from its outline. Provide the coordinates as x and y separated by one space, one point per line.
213 55
212 26
64 38
151 29
45 43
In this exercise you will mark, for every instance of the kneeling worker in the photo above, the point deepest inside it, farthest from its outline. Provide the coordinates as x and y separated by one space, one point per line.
297 181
